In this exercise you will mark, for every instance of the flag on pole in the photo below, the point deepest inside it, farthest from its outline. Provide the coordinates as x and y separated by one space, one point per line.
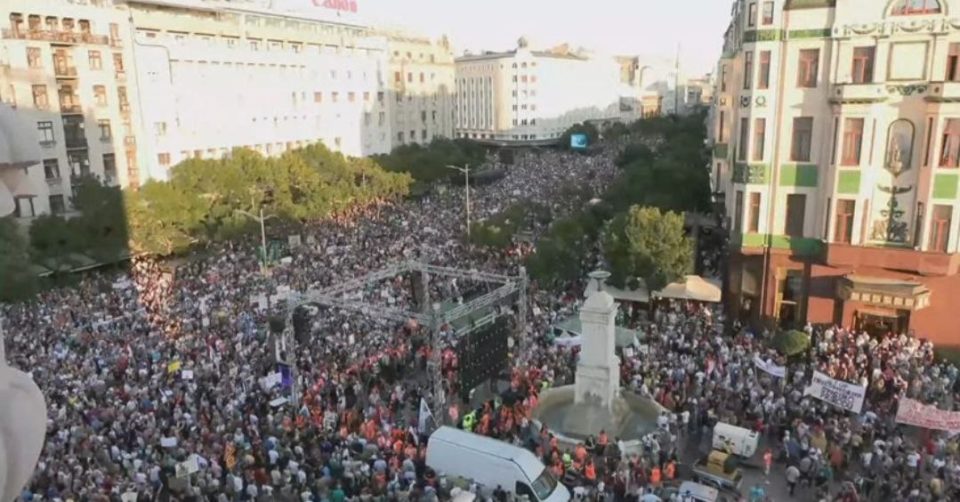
425 414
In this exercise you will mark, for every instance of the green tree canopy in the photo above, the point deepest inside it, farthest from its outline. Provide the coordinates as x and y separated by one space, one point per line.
428 163
647 244
17 280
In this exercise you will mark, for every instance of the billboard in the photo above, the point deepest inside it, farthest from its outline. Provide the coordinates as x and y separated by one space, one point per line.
578 141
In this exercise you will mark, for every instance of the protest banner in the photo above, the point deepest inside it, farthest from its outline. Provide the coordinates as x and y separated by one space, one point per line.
187 467
769 367
270 381
168 442
836 392
913 412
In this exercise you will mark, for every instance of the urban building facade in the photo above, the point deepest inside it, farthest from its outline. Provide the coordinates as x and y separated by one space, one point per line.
421 82
67 95
219 75
525 96
836 139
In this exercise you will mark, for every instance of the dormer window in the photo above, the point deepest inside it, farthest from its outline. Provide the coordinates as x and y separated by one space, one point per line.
915 7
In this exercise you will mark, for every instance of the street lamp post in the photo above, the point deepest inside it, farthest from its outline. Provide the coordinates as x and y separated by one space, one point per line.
263 233
466 181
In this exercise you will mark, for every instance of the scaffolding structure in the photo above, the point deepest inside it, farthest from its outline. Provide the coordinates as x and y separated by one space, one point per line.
341 297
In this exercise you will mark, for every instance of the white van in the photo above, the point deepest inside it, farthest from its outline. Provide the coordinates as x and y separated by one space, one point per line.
492 463
736 440
700 493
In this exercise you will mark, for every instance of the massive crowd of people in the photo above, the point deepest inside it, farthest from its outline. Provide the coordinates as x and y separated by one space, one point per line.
158 379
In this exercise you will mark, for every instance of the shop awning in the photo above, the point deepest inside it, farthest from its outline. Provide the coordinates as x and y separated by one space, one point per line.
693 287
881 292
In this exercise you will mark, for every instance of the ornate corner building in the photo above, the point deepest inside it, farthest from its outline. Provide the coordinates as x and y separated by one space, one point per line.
836 162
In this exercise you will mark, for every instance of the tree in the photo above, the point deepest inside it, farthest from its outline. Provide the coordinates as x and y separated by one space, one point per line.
56 243
560 254
791 343
647 244
162 220
101 222
17 280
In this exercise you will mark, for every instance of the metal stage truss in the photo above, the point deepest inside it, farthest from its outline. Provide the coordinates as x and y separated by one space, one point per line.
339 297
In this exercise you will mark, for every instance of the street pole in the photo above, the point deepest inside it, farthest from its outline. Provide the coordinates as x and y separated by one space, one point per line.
466 174
466 177
263 243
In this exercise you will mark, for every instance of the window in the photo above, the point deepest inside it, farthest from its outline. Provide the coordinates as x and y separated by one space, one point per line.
109 166
118 62
808 67
738 213
940 228
422 78
160 128
852 142
915 7
752 14
381 118
105 133
843 227
862 72
802 137
163 159
33 57
953 61
366 97
318 97
352 97
423 134
753 219
767 13
400 136
759 136
100 94
40 97
796 207
723 78
747 70
380 97
46 132
334 96
744 138
409 77
950 152
56 204
51 169
763 79
93 58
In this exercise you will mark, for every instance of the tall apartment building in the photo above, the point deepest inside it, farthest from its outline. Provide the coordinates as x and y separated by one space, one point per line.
421 82
67 96
216 75
836 133
526 96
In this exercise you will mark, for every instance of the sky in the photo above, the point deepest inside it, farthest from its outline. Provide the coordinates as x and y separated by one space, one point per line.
640 27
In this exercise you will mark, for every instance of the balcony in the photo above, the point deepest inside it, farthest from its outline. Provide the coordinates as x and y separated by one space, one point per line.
71 106
921 262
56 36
64 71
943 92
850 94
76 142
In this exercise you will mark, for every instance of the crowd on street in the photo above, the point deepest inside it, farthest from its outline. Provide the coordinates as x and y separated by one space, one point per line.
167 367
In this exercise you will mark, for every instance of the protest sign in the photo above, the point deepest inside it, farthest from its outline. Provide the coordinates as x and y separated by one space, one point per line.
168 442
187 467
270 381
769 367
836 392
187 374
913 412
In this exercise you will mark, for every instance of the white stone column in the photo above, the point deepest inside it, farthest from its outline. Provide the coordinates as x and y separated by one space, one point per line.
598 371
23 427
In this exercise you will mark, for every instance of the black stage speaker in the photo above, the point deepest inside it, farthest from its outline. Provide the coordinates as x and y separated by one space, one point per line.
483 355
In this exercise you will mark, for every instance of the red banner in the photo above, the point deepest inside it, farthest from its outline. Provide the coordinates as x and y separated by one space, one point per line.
914 412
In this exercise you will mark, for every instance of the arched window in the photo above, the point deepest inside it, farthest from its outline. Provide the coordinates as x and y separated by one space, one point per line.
915 7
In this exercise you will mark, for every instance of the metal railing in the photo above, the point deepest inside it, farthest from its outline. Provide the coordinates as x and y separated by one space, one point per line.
58 36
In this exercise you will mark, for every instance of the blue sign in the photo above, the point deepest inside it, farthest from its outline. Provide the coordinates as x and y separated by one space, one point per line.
578 141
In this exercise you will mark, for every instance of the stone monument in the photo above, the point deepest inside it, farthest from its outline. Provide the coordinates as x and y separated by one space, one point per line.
23 427
595 402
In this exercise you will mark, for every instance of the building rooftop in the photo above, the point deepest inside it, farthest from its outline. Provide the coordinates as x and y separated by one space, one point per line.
508 54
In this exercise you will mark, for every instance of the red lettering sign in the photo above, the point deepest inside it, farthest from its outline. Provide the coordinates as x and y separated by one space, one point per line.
343 5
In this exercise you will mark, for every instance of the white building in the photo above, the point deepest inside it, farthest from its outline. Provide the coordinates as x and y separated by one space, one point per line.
421 83
524 96
67 101
216 75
